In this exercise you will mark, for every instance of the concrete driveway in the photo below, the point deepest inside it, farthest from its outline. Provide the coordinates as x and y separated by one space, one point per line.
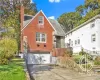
45 72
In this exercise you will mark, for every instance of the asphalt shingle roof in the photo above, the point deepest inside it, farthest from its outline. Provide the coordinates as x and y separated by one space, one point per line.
58 28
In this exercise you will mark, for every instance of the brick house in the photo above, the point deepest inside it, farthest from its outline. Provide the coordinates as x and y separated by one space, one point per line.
39 36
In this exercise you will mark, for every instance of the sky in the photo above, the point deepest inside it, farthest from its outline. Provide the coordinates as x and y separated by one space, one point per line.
55 8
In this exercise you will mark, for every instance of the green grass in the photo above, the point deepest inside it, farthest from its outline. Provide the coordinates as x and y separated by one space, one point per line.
12 71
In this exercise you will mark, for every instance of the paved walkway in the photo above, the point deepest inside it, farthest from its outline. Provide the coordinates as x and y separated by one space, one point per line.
56 73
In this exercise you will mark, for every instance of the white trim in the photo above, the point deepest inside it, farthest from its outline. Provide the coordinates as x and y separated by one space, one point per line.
34 18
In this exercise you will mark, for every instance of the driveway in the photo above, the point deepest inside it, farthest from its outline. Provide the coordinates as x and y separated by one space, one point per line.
45 72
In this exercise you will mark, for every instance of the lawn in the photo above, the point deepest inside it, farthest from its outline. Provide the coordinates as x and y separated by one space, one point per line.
13 71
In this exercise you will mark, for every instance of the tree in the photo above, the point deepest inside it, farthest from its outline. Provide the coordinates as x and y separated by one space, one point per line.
11 16
84 12
7 50
92 4
69 20
9 6
80 9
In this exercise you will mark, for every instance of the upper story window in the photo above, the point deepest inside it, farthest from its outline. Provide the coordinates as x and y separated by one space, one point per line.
41 20
93 37
92 25
40 37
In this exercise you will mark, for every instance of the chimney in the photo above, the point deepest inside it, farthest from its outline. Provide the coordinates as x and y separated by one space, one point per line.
21 16
21 25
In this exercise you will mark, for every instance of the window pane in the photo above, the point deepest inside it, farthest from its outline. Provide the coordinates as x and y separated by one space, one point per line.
41 18
37 34
43 37
37 39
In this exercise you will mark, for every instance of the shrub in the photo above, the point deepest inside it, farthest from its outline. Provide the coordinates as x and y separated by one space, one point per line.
86 66
96 62
8 47
82 53
69 52
77 58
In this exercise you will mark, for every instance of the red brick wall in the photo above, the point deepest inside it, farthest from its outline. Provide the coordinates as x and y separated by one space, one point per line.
30 32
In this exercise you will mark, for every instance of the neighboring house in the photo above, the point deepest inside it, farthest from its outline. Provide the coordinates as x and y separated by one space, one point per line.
40 35
86 37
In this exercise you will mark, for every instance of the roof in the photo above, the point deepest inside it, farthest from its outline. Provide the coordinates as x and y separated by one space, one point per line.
97 16
58 28
54 23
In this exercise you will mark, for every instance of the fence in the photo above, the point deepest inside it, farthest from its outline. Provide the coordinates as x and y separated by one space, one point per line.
61 51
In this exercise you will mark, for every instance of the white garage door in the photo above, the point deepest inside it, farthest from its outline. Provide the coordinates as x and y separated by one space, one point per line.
39 58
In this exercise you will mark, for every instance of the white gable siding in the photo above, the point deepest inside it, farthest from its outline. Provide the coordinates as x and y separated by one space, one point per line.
84 34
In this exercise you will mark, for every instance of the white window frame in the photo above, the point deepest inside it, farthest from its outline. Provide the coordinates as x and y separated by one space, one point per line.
42 20
41 37
93 37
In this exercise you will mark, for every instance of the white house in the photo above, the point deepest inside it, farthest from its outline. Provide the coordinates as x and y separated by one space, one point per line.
86 36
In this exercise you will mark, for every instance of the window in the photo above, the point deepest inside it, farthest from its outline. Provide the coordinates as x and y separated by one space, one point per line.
78 41
41 20
40 37
92 25
75 42
93 38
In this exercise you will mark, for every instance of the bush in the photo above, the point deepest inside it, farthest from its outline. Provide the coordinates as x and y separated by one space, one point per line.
82 53
86 66
97 61
69 52
77 58
8 47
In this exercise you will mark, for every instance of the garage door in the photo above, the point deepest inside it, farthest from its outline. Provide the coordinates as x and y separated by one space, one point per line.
39 58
